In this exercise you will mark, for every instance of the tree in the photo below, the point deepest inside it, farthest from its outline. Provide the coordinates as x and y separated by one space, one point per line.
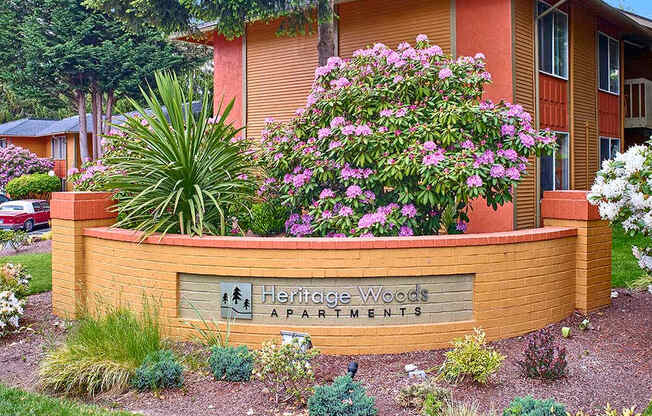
225 299
237 295
246 304
60 50
296 16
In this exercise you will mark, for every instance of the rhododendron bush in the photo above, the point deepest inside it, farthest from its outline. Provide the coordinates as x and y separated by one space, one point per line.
623 193
397 142
16 161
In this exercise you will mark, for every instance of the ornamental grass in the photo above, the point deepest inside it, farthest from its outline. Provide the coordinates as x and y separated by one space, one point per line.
102 354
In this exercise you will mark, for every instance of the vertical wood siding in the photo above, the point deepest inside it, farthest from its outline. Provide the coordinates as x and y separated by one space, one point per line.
391 22
280 71
609 114
584 89
524 87
553 103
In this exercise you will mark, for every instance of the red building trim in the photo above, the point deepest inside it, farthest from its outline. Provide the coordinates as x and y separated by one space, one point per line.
553 102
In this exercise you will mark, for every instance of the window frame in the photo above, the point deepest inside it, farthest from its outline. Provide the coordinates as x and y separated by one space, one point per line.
611 140
61 150
566 62
554 164
609 38
3 142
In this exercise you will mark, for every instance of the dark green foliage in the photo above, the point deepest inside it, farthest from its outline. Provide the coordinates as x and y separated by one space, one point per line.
344 397
542 357
528 406
36 185
231 363
267 218
159 370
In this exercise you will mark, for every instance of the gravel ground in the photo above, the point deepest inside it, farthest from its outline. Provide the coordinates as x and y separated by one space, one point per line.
610 363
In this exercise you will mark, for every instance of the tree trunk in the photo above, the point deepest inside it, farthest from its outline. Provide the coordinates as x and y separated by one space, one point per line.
94 112
326 29
83 129
108 116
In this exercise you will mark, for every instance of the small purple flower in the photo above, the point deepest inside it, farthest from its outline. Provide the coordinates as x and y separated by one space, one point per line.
335 144
497 171
370 195
467 144
340 83
461 226
409 210
345 211
326 214
337 121
363 130
422 38
405 231
348 130
398 79
432 159
445 73
507 130
429 146
324 132
326 193
400 112
513 173
526 139
353 191
386 113
474 181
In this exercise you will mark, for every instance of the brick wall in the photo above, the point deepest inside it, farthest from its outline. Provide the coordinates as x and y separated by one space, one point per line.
523 280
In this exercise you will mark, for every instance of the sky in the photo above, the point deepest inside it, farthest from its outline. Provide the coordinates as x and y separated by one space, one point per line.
640 7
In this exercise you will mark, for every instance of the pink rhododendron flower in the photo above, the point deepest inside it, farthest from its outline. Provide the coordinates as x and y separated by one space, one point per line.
422 38
348 130
363 130
387 113
445 73
405 231
513 173
429 145
526 139
507 130
353 191
324 132
409 210
326 193
497 171
337 121
474 181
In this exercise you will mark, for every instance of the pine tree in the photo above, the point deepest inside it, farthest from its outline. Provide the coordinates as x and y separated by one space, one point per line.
246 304
60 50
236 295
225 299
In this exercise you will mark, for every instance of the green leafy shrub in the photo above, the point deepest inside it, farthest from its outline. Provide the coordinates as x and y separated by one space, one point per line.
159 370
16 161
231 363
14 278
417 394
390 140
609 411
266 219
177 171
16 239
286 370
529 406
36 185
344 397
471 357
102 353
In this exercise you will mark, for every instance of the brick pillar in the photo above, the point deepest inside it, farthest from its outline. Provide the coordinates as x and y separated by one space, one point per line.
593 253
71 212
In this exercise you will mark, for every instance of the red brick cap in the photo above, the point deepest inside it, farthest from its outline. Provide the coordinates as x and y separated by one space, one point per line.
78 206
568 205
319 243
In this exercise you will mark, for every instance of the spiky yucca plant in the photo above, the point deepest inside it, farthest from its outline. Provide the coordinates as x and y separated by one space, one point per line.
179 172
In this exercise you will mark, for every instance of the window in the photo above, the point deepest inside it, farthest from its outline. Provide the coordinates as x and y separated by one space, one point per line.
59 148
555 169
3 143
608 148
553 42
608 64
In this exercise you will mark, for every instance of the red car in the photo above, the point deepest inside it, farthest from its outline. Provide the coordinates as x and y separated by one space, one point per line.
24 214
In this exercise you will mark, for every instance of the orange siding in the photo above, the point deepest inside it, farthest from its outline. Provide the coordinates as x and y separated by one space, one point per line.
280 71
524 94
584 91
609 114
363 23
36 145
553 103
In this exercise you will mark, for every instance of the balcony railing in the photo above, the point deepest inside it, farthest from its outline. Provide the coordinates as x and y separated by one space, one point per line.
638 103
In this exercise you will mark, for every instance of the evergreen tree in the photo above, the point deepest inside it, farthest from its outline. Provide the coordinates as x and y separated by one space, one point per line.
237 295
60 50
246 304
229 16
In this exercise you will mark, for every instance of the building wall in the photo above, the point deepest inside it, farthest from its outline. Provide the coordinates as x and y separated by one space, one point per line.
365 22
524 73
227 77
36 145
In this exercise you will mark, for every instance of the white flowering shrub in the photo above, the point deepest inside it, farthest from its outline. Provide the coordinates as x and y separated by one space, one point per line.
623 193
14 278
11 309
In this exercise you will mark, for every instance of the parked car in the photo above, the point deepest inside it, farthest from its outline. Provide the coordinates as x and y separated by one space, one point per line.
24 214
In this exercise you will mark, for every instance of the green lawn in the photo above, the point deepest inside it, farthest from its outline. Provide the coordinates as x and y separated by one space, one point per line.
39 266
14 402
623 264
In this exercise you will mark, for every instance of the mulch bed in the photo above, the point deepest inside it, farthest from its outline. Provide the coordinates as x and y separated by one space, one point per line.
612 363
